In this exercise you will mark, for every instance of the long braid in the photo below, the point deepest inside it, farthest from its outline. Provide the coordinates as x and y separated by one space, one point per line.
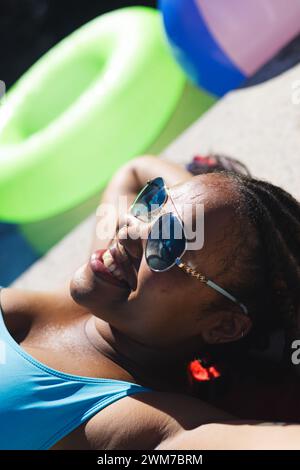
287 237
276 217
286 221
287 198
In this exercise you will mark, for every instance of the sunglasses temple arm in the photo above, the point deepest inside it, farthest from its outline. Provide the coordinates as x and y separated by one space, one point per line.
226 294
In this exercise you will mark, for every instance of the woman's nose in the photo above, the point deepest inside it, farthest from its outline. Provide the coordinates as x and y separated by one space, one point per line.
132 234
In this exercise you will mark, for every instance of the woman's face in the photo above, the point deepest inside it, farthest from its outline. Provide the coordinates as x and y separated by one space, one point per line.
171 307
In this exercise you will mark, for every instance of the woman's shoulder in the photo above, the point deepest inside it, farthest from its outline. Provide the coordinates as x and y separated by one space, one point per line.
13 300
21 308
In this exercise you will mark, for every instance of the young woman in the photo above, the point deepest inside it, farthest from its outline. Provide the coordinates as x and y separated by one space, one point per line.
102 365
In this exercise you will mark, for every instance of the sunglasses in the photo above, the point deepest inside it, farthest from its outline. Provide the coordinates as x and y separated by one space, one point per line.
167 243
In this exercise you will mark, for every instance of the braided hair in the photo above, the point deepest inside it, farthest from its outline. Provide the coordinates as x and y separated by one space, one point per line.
275 289
268 279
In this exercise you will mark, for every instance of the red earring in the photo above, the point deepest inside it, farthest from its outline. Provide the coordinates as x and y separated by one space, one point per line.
201 371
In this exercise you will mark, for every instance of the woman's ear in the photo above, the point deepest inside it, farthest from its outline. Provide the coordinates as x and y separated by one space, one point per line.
226 327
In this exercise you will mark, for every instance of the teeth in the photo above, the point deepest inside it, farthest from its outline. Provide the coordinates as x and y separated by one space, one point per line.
122 250
107 258
110 265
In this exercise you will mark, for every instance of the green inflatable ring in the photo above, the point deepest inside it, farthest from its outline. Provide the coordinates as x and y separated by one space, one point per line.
97 99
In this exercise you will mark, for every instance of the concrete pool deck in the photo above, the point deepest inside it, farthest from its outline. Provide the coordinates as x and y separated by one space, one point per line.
259 125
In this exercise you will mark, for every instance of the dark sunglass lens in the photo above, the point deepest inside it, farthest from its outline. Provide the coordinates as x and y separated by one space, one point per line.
166 242
151 198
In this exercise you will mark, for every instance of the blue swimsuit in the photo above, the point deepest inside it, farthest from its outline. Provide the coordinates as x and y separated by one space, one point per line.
40 405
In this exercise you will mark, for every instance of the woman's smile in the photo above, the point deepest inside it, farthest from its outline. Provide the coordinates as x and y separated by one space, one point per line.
115 265
103 266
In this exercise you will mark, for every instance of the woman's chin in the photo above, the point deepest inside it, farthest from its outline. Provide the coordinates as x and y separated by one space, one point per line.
82 285
89 291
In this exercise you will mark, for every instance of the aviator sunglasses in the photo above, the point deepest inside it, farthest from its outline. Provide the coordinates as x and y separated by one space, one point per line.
167 243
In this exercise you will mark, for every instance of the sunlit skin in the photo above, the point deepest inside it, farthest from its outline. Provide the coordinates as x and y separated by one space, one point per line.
146 334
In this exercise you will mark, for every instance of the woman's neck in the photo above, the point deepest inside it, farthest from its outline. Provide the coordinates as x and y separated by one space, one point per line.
151 366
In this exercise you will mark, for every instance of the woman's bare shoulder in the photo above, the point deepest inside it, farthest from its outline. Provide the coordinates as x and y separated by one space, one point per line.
20 308
146 419
15 300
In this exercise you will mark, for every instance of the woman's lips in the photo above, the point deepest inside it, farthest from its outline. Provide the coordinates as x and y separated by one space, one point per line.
100 270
